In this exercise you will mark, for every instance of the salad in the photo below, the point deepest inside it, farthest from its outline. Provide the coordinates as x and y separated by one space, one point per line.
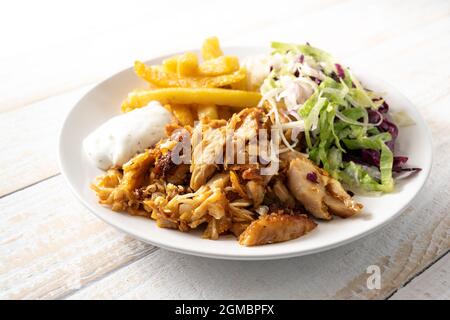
347 128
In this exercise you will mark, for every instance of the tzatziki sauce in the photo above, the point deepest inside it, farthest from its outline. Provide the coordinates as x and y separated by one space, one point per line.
122 137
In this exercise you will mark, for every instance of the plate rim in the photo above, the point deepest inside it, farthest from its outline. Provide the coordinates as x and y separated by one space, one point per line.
263 256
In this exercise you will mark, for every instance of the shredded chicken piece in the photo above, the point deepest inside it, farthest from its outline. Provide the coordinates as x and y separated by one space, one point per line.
173 173
250 123
252 174
256 191
116 189
179 174
241 214
276 227
283 194
217 227
135 171
220 180
205 154
238 227
318 192
236 185
245 127
339 202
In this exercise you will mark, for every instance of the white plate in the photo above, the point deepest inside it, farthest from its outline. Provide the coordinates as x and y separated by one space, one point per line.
103 102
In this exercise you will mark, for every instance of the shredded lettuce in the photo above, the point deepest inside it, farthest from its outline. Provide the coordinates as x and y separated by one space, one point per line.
336 121
365 142
337 115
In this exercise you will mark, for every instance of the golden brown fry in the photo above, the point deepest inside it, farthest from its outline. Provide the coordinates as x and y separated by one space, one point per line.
224 97
207 111
170 64
241 84
187 64
183 114
211 48
156 75
219 66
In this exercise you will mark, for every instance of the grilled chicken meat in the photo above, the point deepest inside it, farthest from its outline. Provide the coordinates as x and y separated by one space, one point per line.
255 191
276 227
283 194
318 192
247 123
205 156
339 202
245 128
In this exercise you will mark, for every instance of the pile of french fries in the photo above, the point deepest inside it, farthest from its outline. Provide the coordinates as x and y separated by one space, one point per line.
194 90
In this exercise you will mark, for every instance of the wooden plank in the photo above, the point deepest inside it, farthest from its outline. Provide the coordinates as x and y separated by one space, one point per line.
51 246
29 141
433 284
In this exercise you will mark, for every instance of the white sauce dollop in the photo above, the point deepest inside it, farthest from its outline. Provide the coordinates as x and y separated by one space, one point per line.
258 68
120 138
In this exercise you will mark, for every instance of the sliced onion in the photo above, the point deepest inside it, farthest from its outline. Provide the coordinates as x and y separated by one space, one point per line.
294 124
357 123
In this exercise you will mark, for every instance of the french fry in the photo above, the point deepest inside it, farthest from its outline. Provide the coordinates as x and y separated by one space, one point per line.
183 114
170 64
156 75
207 111
187 64
241 84
211 49
219 66
216 96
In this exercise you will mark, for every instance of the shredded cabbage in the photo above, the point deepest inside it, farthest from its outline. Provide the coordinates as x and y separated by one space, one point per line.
402 119
338 115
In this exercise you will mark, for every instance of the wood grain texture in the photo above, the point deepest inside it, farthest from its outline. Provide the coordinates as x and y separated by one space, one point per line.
434 283
28 141
50 247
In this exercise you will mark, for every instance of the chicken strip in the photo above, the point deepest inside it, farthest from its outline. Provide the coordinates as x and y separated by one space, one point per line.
318 192
283 194
255 191
244 127
206 155
339 202
276 227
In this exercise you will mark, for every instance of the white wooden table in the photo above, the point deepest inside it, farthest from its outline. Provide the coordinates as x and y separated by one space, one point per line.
52 52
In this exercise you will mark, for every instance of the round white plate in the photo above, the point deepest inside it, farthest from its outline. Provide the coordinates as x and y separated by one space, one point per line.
103 102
